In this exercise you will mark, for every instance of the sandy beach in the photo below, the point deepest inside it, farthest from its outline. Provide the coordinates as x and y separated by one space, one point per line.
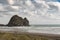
26 33
27 36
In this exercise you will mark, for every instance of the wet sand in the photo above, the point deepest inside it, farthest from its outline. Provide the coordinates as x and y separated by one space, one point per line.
24 36
20 34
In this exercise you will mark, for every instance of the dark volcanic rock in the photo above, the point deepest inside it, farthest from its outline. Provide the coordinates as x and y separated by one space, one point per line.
25 22
18 21
2 25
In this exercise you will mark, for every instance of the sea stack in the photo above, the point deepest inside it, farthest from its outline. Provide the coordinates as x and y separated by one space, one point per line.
18 21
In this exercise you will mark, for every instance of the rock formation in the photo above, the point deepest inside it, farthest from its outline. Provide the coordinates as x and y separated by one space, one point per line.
18 21
2 25
25 22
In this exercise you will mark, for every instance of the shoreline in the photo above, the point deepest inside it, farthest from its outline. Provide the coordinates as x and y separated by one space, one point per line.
26 31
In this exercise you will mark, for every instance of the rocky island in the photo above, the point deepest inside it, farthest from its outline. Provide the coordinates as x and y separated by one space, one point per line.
17 21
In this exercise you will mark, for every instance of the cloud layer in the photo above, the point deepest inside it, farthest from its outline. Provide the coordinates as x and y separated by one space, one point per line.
46 11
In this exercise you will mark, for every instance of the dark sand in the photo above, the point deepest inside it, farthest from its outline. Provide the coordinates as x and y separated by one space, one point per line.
27 36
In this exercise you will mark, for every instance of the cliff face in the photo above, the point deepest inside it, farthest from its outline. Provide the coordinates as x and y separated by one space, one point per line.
18 21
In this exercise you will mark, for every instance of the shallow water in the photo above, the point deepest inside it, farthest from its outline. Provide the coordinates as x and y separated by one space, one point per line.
32 29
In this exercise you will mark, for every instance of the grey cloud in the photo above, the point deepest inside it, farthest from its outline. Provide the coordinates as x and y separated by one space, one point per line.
8 8
50 0
3 14
4 2
53 9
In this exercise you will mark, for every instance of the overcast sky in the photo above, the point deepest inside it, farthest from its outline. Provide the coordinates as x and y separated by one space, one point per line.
37 11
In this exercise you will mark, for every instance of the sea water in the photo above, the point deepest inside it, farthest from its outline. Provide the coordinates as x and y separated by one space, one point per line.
32 29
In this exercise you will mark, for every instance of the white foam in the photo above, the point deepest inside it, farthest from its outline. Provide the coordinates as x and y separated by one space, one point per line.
46 30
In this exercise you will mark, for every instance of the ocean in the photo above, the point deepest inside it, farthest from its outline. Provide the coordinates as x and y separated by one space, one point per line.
47 29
